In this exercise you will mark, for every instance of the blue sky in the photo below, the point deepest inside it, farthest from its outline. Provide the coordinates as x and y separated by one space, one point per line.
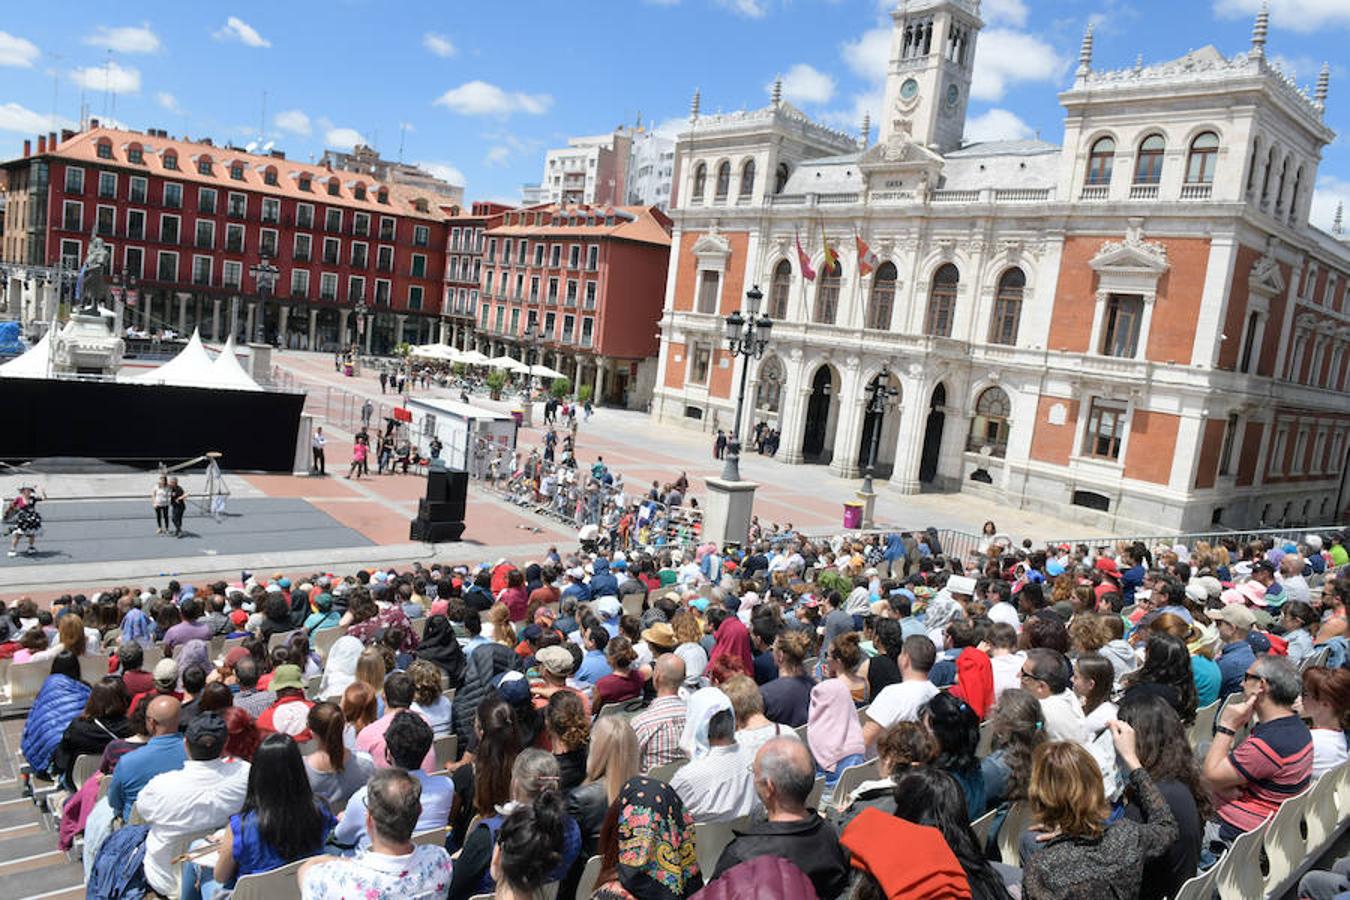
477 91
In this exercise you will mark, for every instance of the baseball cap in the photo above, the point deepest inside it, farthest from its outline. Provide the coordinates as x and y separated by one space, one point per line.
166 673
608 607
206 733
1235 615
513 687
556 660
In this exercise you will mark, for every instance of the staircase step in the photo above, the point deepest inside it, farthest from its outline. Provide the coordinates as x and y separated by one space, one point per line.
60 880
16 814
24 854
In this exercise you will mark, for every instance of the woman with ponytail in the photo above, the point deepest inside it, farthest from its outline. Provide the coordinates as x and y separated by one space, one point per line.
335 773
536 785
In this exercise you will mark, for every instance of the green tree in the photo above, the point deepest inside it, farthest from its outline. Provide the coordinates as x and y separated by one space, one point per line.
560 388
496 380
584 393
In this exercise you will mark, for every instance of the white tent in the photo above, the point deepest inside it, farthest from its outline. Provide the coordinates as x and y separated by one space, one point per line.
545 372
33 363
473 358
443 352
190 368
229 373
507 363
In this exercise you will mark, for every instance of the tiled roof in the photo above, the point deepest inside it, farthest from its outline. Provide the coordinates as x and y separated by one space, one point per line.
83 148
646 224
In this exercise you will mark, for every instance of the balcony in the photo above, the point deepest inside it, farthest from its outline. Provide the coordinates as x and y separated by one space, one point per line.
1197 192
1095 192
1143 192
301 256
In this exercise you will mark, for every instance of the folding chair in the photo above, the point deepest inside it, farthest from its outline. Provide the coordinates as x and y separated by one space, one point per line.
666 772
445 749
817 791
1239 872
1203 728
93 668
281 637
434 837
86 764
801 732
1010 835
1323 816
1284 842
986 740
323 640
589 875
711 838
850 778
981 827
1201 887
25 680
277 884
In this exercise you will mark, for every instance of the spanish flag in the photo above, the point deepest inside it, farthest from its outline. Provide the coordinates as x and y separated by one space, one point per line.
804 261
831 255
867 260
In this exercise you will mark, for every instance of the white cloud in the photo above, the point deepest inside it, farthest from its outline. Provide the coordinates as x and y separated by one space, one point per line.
1004 12
14 117
17 51
870 103
751 9
125 38
1327 194
997 125
1296 15
438 44
107 77
168 101
478 98
293 120
236 29
1004 57
343 138
444 171
806 84
497 156
870 54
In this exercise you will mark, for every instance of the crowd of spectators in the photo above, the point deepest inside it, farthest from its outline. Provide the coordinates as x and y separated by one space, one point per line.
625 705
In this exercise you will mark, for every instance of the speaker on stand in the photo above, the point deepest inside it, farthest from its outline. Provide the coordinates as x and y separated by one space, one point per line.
440 514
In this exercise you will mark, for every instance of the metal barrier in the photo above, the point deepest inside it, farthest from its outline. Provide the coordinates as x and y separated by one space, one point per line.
1190 539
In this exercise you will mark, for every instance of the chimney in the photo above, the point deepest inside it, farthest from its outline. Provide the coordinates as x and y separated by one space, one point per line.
42 144
51 140
66 134
27 148
93 123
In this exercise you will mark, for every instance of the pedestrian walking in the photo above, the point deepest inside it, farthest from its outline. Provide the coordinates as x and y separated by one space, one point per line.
21 513
359 451
436 447
720 444
317 444
384 380
177 506
367 410
159 499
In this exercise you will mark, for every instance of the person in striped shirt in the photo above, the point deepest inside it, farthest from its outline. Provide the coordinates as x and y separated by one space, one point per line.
659 726
1273 764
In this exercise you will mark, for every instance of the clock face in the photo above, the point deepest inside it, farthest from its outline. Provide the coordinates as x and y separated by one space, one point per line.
909 89
953 94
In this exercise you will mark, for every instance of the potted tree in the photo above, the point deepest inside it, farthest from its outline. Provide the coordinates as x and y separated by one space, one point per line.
496 380
560 388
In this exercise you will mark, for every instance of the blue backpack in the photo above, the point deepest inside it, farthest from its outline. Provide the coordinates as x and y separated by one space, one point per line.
118 872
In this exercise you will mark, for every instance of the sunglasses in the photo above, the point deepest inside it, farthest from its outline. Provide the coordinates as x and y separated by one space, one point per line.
1251 676
1027 676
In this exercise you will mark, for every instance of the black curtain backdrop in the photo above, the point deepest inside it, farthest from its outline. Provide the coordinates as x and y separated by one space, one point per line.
144 424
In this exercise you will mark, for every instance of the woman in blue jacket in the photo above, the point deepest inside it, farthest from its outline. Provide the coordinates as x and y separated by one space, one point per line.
59 702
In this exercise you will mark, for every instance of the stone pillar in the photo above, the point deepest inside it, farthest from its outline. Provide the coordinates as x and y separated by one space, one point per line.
248 322
215 319
727 511
182 312
849 436
344 333
370 330
599 379
283 319
148 299
399 320
909 446
313 329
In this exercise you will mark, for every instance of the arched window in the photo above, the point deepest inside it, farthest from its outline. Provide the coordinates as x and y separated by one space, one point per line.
723 180
1007 307
780 178
270 175
1266 176
942 301
135 154
700 180
778 290
104 148
748 178
170 160
1284 177
334 187
769 391
1100 159
989 427
1298 189
882 302
1148 164
827 295
382 196
1203 157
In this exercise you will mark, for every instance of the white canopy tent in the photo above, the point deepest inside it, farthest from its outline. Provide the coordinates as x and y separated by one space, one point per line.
442 352
473 358
33 363
545 372
192 367
229 372
507 363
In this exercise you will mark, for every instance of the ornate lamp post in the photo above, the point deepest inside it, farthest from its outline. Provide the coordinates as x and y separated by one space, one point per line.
746 337
879 395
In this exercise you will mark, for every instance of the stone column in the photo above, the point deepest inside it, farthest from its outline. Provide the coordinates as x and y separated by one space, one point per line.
600 373
399 321
148 299
909 446
848 425
343 321
248 322
792 415
283 319
182 312
215 319
370 330
313 329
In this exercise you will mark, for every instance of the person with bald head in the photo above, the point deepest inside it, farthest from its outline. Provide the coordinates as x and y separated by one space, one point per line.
784 775
660 725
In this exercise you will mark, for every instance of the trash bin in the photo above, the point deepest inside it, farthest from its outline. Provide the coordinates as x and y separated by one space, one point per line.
853 515
518 415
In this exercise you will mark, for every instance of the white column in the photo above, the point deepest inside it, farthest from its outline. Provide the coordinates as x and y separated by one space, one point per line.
796 394
313 328
182 312
909 447
248 322
370 330
283 319
848 425
344 332
399 321
599 379
215 318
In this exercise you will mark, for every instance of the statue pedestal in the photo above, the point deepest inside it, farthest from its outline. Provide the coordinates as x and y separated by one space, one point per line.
87 345
726 515
869 505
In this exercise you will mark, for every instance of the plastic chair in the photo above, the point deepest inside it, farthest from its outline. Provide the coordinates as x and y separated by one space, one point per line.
1201 887
1010 835
86 764
419 627
1238 875
986 740
589 875
981 827
25 680
323 640
817 791
710 839
801 732
1324 813
1315 659
666 772
1284 842
850 778
1203 728
278 884
434 837
445 748
280 638
92 668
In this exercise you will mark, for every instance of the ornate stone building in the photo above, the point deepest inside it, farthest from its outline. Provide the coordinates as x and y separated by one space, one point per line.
1137 326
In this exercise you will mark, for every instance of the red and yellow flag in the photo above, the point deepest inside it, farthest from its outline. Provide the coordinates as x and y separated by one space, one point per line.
867 260
831 258
804 261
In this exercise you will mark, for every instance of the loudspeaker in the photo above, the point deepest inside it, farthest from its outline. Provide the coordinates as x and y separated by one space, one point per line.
440 515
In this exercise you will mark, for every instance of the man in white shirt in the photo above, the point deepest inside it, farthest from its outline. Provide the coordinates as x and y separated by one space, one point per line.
902 702
190 802
1046 674
720 785
317 443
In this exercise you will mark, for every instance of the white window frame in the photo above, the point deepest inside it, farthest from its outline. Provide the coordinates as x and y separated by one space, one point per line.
1300 450
393 259
171 254
262 242
593 257
412 265
328 213
210 270
97 211
230 227
65 184
126 266
365 249
232 273
361 224
356 287
309 246
99 195
215 201
164 195
230 199
273 204
144 184
144 220
1277 448
336 255
196 228
1126 408
420 299
592 295
302 276
78 245
309 210
324 278
66 205
178 227
393 235
388 290
425 234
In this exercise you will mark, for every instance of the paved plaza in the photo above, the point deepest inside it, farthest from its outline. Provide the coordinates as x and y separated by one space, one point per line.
97 533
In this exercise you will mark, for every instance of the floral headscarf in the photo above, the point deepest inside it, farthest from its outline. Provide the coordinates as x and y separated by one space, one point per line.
657 856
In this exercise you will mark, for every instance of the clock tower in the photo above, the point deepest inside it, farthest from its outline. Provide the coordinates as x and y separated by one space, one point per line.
928 78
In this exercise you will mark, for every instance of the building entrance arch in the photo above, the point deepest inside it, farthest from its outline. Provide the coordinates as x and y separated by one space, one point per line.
821 409
932 435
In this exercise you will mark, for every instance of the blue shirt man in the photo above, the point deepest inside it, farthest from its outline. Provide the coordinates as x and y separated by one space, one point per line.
162 753
594 666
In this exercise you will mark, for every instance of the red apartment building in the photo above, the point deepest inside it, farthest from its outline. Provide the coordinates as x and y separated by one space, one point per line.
189 222
591 280
464 268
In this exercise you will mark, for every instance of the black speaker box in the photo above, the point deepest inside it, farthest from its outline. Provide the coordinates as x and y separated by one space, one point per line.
435 532
440 515
441 511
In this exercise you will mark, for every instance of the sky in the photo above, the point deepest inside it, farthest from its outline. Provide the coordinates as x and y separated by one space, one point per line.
476 92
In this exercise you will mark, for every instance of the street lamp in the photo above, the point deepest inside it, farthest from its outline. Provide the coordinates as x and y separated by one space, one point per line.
879 394
747 337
